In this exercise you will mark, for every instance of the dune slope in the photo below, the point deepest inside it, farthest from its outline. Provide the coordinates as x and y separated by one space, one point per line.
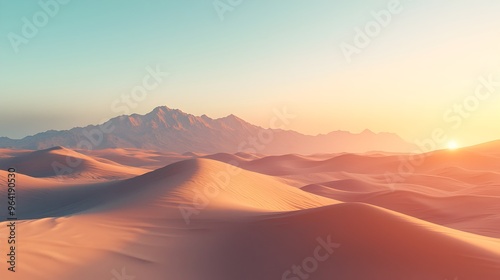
205 219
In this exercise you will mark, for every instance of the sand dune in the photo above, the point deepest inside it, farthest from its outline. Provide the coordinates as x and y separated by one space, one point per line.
472 213
139 158
62 162
246 216
8 153
469 159
191 183
374 244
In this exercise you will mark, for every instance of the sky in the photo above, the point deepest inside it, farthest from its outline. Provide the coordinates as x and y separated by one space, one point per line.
408 67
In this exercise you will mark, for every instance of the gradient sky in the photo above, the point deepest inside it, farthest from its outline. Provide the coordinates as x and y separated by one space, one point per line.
265 54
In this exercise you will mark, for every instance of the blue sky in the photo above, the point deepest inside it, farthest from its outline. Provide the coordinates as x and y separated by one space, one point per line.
263 55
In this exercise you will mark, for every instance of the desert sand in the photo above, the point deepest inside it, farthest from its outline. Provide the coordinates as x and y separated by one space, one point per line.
140 214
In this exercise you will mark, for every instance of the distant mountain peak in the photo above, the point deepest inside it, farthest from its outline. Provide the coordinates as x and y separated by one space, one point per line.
173 130
232 117
367 131
163 109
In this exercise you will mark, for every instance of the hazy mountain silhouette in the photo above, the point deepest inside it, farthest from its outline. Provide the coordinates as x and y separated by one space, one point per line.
173 130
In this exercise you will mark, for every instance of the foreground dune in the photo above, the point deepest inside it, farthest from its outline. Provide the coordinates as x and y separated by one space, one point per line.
367 243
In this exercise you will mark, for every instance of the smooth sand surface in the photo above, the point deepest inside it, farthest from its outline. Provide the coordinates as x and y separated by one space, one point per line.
201 217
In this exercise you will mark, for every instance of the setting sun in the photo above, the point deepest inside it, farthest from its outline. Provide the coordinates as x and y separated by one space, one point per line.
452 145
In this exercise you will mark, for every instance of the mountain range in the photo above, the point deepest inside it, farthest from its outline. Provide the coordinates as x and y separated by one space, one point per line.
165 129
